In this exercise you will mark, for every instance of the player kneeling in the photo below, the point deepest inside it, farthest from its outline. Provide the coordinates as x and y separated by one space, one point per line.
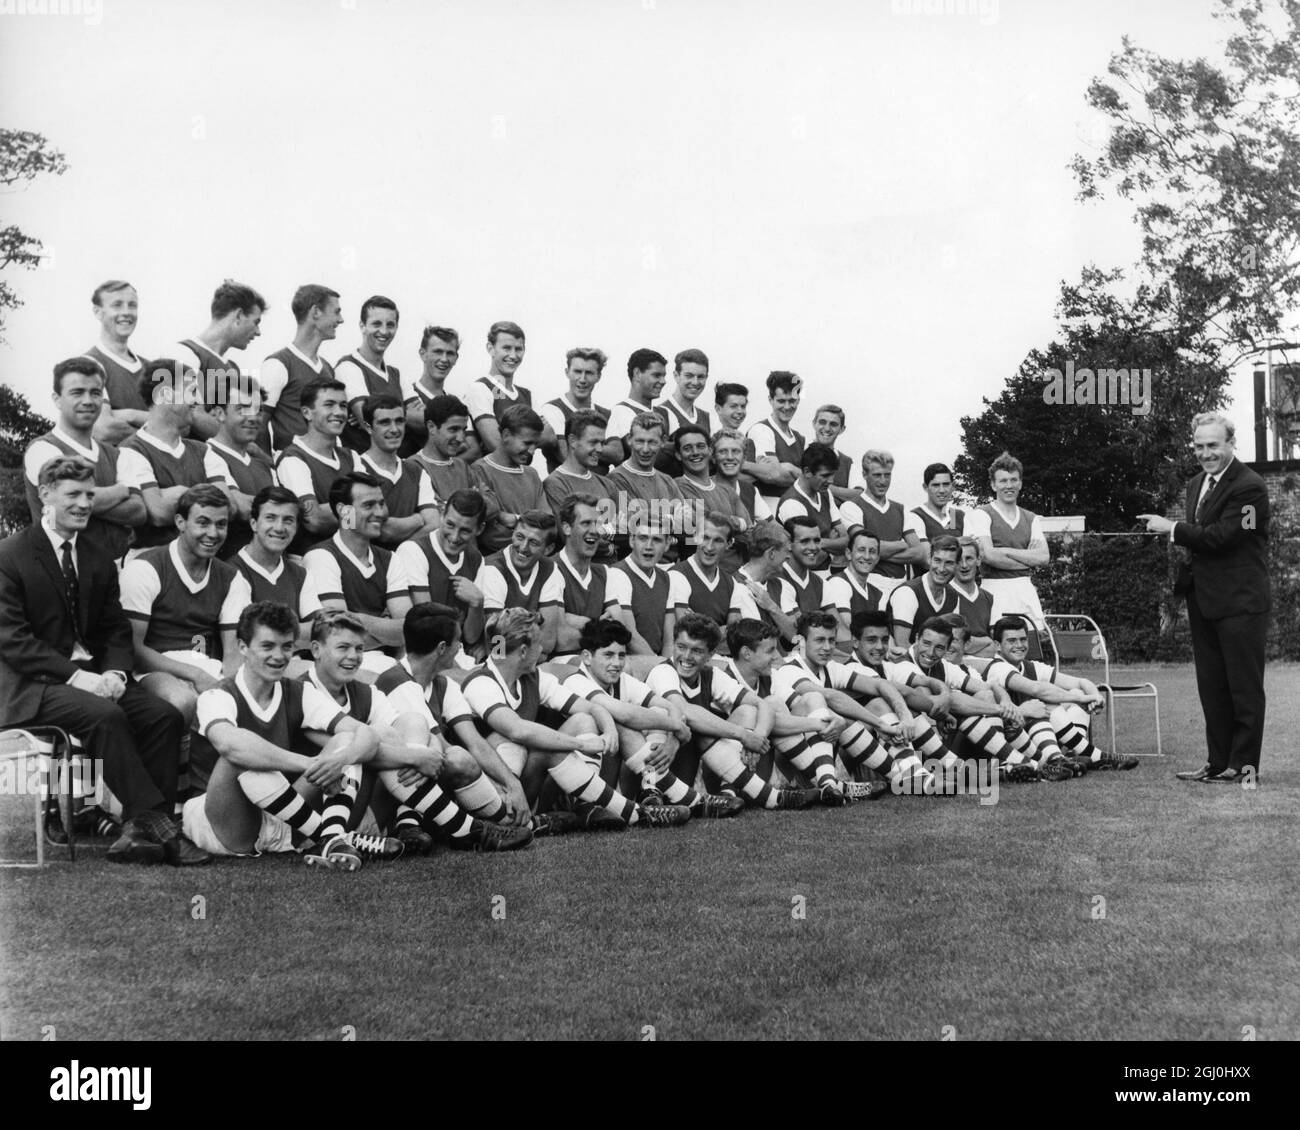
725 716
510 697
650 727
272 789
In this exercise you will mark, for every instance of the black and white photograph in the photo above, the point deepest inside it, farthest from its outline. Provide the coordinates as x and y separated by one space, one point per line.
651 521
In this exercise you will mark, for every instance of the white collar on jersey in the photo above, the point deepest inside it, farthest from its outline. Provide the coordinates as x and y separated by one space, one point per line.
264 714
367 567
174 552
242 456
272 577
92 452
316 365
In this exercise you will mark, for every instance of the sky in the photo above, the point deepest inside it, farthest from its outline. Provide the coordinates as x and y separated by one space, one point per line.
872 196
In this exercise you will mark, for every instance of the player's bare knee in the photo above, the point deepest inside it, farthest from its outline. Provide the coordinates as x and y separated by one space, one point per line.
458 767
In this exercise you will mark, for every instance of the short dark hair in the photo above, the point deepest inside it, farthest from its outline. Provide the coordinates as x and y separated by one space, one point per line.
862 532
442 333
314 387
868 618
205 494
425 627
443 408
378 302
231 296
690 357
688 430
468 504
642 359
307 297
933 469
373 404
274 495
164 371
84 366
936 624
696 627
62 467
570 506
331 620
579 422
520 418
541 520
945 543
780 380
342 487
601 631
1009 624
816 618
496 329
108 288
957 622
727 389
819 457
805 520
749 633
270 614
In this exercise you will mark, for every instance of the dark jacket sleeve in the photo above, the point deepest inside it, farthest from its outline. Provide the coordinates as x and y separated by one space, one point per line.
1244 514
20 647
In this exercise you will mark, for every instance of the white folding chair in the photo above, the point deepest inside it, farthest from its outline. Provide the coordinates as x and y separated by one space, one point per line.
51 750
1075 637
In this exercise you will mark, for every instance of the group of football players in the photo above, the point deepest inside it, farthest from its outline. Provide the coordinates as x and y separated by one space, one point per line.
395 616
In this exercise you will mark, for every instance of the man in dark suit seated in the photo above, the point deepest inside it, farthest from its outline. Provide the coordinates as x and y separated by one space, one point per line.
66 658
1225 580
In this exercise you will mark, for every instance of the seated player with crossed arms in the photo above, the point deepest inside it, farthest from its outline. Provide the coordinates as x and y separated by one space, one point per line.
523 576
513 701
273 789
1052 706
650 727
725 717
850 591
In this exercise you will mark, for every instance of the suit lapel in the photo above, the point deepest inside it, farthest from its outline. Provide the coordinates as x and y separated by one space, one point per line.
1214 503
44 550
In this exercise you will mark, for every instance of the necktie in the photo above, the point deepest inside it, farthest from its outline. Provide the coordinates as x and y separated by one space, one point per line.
1205 497
71 590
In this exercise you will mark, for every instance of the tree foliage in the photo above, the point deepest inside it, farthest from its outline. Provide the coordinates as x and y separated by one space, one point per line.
19 425
24 155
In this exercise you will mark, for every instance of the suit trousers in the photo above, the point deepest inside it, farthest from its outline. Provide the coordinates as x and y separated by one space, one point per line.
1229 656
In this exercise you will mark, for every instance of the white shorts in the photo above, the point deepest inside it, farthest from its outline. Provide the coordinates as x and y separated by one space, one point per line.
274 835
1015 596
197 659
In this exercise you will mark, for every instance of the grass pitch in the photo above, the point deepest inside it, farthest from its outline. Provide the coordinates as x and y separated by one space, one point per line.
1119 906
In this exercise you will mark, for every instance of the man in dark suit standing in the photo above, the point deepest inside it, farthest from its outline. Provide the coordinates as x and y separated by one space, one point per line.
66 658
1226 584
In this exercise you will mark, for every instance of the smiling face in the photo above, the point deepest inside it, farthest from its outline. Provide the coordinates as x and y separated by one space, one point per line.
506 354
806 546
338 657
691 379
762 657
276 526
243 414
456 531
943 567
828 427
379 328
968 564
267 654
1015 644
527 546
118 312
819 646
871 645
582 535
70 503
439 358
203 531
713 543
607 663
327 318
931 647
648 383
939 491
587 447
367 512
80 401
689 657
649 544
645 443
1006 487
728 456
693 451
1213 448
517 448
582 376
245 327
449 440
878 477
864 555
732 412
388 429
784 406
330 412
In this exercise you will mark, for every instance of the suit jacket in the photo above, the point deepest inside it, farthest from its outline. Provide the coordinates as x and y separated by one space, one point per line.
36 631
1227 570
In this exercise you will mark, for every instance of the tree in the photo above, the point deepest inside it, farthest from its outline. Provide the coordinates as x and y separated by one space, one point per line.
1209 152
19 425
24 155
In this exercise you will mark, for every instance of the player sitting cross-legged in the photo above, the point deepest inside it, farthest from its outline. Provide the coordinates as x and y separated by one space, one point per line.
515 704
650 727
725 717
273 789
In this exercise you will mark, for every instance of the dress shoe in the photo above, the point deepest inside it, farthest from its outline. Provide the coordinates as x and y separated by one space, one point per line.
178 849
1227 777
135 845
1204 773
